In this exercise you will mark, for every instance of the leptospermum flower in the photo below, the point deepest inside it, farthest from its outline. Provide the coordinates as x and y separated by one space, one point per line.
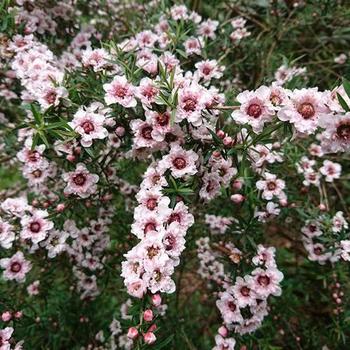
15 267
7 235
209 69
179 161
336 137
36 226
80 181
191 102
224 343
5 337
120 91
89 123
271 186
330 170
304 110
255 109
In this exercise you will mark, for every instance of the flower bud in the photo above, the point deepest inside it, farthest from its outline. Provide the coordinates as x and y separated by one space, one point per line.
148 315
120 131
237 198
152 328
156 299
6 316
132 333
220 134
60 207
149 338
223 331
228 141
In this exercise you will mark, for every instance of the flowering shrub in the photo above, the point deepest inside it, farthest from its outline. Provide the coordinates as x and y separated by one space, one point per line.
162 187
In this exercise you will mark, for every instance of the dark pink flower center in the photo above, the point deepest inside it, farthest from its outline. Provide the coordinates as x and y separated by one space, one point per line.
79 179
343 131
189 104
120 91
151 203
245 291
16 267
147 133
264 280
254 110
35 227
179 163
88 127
307 110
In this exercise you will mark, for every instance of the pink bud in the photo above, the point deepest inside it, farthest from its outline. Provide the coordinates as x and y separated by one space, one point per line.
6 316
120 131
228 141
70 157
237 198
132 333
149 338
156 299
152 328
220 134
60 207
18 314
237 184
283 202
216 154
148 315
322 207
223 331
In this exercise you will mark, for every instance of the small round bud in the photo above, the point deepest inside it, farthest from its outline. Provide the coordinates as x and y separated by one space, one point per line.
132 333
149 338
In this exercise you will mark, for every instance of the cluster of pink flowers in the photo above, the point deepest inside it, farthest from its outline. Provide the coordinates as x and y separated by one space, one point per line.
330 249
160 227
250 293
239 29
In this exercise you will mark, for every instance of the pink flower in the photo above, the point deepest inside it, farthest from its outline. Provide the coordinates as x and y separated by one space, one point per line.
304 110
179 161
7 236
265 256
243 291
330 170
33 289
147 61
193 46
36 226
191 102
209 69
256 108
15 267
336 137
179 12
146 39
147 92
136 288
6 316
207 29
267 282
229 309
224 343
271 186
80 181
97 59
5 336
88 122
120 91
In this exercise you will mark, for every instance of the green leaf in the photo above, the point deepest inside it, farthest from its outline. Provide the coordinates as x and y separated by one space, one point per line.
343 103
346 85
